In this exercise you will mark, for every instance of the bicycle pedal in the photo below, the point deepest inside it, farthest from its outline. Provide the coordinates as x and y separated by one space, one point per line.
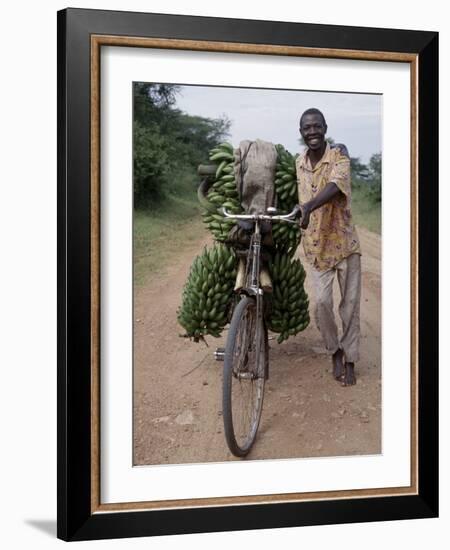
219 354
246 375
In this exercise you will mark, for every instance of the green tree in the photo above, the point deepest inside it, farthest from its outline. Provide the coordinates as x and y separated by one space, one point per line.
357 166
375 167
150 164
168 144
153 102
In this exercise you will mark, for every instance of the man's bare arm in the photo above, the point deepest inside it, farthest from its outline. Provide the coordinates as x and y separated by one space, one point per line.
330 191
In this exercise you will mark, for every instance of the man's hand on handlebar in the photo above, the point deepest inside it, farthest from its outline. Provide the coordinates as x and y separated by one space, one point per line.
297 210
303 214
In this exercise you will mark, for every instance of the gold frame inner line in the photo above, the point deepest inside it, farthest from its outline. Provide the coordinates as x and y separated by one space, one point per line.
97 41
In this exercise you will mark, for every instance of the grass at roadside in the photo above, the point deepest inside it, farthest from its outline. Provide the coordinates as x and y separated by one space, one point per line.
159 234
366 212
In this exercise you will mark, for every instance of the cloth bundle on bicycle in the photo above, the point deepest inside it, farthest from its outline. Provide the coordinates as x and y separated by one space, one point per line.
254 173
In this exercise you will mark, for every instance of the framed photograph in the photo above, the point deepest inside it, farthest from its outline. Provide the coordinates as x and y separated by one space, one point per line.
219 373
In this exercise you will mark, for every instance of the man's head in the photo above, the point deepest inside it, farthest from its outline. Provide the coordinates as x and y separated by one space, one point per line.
313 128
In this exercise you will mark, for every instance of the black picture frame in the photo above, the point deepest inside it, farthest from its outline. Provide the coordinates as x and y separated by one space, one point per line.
76 476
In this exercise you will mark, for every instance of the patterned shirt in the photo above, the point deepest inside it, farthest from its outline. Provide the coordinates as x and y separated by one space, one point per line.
331 235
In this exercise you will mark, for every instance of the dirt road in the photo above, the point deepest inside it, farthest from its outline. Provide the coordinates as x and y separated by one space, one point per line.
178 384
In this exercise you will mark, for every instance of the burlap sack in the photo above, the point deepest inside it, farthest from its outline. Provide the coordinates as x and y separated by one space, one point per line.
254 171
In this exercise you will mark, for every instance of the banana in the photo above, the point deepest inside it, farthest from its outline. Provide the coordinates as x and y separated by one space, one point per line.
227 147
220 168
222 155
289 312
230 185
229 169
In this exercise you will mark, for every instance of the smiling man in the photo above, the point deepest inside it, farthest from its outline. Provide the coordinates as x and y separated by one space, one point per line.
330 241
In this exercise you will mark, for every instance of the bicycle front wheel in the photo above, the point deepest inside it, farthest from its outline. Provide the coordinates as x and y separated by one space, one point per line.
244 377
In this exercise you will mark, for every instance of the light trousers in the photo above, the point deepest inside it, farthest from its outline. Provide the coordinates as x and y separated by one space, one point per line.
348 273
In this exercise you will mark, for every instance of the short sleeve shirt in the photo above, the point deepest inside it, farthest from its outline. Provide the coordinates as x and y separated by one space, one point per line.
331 235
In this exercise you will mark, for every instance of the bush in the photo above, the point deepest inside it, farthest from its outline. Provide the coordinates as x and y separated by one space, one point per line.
168 144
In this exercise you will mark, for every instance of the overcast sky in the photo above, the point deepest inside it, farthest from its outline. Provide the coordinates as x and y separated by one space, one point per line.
272 115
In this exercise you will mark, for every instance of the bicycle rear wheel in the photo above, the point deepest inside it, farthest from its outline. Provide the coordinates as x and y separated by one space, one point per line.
244 377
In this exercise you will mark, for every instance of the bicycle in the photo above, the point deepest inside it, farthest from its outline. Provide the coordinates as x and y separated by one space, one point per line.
246 353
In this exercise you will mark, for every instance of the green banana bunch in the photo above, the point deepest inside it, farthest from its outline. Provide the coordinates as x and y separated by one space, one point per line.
286 236
289 309
223 192
207 292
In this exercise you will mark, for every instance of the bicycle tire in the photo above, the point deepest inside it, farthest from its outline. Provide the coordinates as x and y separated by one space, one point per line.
239 386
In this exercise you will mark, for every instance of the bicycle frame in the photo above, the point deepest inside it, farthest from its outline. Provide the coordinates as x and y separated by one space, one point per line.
254 289
254 259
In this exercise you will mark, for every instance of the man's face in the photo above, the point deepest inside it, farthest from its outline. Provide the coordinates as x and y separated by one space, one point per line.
313 131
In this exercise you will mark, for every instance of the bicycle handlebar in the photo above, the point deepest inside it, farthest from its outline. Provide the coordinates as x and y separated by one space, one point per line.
282 217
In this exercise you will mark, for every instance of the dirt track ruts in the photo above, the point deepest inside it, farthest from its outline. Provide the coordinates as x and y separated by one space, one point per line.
178 384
